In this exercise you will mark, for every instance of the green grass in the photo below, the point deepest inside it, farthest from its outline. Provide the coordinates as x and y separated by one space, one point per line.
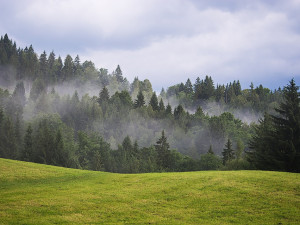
40 194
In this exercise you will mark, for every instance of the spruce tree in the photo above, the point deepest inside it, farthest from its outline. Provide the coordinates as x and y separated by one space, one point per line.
161 106
119 74
140 101
188 87
228 153
287 129
168 109
163 152
103 96
154 102
27 154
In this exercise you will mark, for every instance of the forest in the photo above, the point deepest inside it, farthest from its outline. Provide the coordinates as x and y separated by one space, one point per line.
69 113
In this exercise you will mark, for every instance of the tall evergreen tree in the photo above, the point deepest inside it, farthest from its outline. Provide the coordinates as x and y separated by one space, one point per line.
228 152
276 143
68 69
154 102
163 152
287 129
188 87
119 74
161 106
43 66
27 154
169 109
103 96
140 101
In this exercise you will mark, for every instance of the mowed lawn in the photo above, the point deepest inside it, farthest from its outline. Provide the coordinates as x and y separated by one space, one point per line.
40 194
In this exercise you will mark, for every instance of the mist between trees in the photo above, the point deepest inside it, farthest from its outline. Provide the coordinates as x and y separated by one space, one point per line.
73 114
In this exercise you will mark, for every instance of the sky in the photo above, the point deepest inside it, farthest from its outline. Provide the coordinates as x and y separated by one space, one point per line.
166 41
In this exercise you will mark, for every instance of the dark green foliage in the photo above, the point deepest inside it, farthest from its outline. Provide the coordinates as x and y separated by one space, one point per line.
228 152
27 153
210 161
161 106
140 101
276 143
188 87
74 131
119 74
163 152
168 109
103 96
178 112
68 69
8 139
154 102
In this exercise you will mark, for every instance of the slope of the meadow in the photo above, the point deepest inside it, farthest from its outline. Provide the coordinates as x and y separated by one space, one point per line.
40 194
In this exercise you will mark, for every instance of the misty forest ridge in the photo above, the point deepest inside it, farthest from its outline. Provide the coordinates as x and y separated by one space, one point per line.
128 128
149 112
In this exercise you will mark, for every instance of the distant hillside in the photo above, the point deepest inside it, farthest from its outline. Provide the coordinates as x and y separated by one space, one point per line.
41 194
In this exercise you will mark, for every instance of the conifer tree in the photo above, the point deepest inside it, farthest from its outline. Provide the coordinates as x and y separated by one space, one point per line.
276 142
163 152
27 154
228 153
287 129
154 102
161 105
140 101
103 96
43 66
188 87
168 109
119 74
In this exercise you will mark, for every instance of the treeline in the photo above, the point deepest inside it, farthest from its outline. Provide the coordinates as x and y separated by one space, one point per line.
55 131
97 132
48 140
230 96
276 142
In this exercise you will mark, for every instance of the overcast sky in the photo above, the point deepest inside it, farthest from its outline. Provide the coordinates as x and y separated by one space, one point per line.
166 41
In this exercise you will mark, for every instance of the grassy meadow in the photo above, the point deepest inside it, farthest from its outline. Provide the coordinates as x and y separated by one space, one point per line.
41 194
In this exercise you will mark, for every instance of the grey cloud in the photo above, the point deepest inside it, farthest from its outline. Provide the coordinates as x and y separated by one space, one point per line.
249 40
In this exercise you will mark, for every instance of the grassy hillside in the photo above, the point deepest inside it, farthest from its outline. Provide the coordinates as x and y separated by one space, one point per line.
39 194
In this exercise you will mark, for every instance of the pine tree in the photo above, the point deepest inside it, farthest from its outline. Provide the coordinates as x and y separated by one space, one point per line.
119 74
163 152
27 154
8 139
178 112
103 96
140 101
58 154
287 129
228 153
51 68
161 106
68 69
168 109
43 66
154 102
188 87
